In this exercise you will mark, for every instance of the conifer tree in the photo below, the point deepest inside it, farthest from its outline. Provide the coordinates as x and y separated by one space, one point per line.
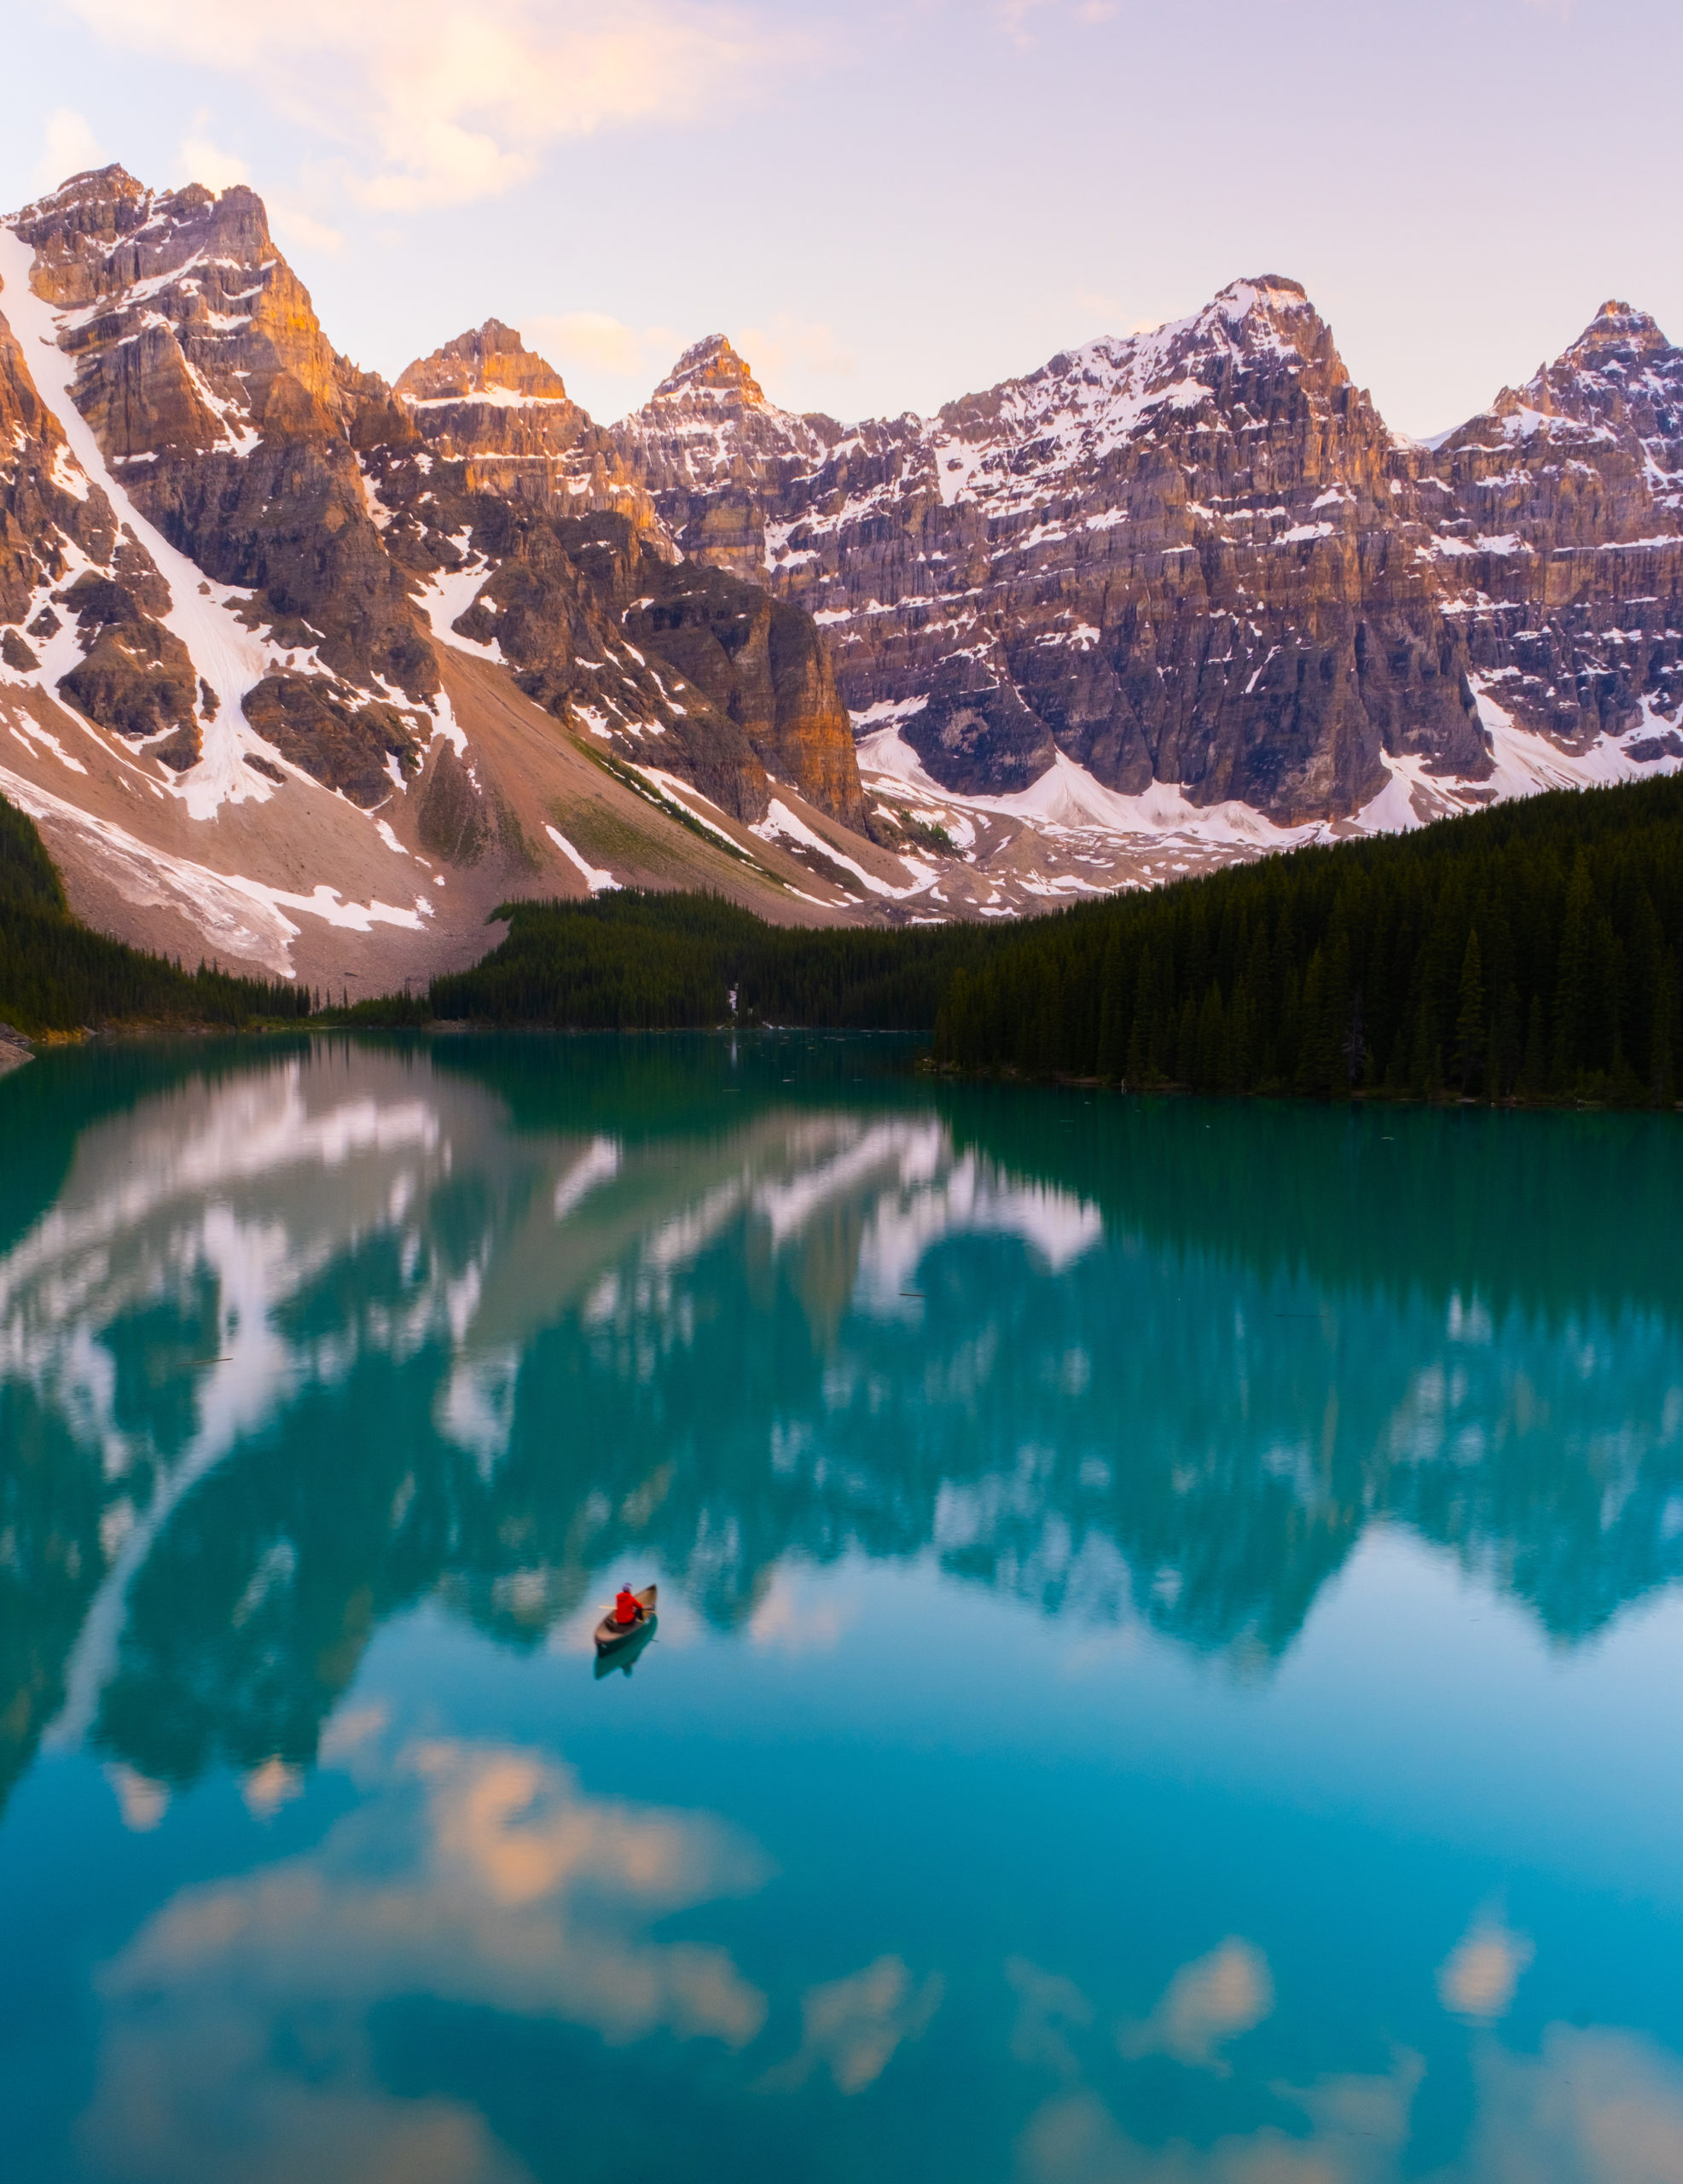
1469 1025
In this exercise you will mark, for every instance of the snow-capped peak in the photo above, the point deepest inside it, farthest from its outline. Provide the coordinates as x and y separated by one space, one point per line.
1266 292
488 363
711 365
1621 381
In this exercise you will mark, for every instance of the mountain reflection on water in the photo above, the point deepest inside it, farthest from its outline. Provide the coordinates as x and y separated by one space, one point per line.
1149 1689
291 1340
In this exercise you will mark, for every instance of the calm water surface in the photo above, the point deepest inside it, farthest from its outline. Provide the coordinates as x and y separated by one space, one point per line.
1169 1662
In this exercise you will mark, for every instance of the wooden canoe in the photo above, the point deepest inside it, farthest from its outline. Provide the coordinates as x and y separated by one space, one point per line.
610 1634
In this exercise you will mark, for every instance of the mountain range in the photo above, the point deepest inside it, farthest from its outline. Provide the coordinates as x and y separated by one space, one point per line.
309 672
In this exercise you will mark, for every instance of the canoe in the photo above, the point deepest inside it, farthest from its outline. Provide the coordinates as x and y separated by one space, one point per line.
610 1634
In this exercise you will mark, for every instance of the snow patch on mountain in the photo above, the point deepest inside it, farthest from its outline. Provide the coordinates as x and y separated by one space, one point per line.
447 596
598 882
239 917
229 657
1067 799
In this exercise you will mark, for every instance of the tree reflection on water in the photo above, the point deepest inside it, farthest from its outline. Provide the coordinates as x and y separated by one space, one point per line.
294 1338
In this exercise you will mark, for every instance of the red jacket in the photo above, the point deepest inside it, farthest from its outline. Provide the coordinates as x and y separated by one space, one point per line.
627 1607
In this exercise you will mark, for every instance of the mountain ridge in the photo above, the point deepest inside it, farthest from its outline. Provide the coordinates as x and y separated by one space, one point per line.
1167 600
860 540
227 694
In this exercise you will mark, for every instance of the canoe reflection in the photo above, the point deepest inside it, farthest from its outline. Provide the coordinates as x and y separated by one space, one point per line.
626 1655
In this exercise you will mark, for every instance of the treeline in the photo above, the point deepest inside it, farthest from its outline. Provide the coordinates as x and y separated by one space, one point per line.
57 976
1529 952
631 961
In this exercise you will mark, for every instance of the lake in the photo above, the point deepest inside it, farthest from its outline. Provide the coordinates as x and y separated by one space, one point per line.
1169 1655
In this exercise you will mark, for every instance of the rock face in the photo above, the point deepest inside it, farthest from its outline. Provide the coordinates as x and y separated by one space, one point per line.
333 519
47 513
515 506
1181 584
1199 556
1561 545
715 455
219 404
486 403
673 666
79 594
1191 557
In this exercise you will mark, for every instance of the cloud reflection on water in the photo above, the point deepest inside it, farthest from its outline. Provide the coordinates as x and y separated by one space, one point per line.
851 2027
237 2017
1592 2107
300 1346
1478 1977
1206 2005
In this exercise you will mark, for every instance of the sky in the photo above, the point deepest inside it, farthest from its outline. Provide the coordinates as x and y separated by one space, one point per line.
886 206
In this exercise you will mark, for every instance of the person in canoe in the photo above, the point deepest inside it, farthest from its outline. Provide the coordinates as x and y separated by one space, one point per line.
629 1621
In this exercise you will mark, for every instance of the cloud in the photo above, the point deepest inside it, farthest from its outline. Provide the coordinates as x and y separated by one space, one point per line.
1205 2004
1592 2106
237 2017
1108 309
1477 1978
1365 2111
70 146
347 1740
271 1786
299 230
202 161
594 340
852 2026
789 347
434 104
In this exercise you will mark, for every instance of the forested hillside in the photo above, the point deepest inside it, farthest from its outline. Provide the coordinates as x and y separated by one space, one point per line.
633 960
57 976
1530 952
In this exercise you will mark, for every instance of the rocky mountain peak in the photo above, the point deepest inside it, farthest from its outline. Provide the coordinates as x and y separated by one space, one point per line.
1621 379
708 430
1165 558
1255 345
1270 319
1265 300
1617 339
491 362
713 366
99 200
502 418
1271 290
1626 343
190 328
1615 316
102 233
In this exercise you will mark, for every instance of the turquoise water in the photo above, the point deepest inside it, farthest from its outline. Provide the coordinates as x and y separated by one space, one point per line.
1169 1659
